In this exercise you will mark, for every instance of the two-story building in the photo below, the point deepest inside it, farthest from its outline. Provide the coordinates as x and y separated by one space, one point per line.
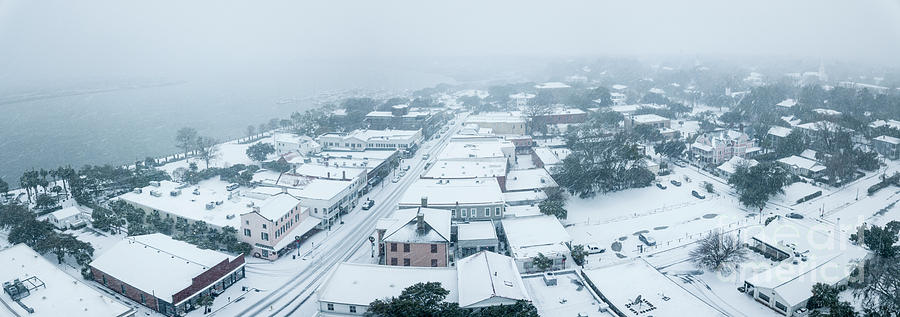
274 226
416 237
717 147
289 142
887 146
531 236
467 199
360 140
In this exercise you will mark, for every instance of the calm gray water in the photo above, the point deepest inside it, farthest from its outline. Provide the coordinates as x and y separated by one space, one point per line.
130 124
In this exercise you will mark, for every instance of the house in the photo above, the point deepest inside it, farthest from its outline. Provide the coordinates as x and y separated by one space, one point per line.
481 280
730 167
164 274
521 99
802 166
887 146
289 142
273 226
787 103
512 122
812 129
38 288
777 133
634 288
617 98
524 243
360 140
534 179
327 197
549 158
717 147
70 217
651 120
467 199
473 237
805 253
416 237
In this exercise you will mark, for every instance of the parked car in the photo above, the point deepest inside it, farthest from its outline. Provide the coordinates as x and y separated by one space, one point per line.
402 173
697 194
368 204
647 239
594 249
676 183
232 186
794 215
396 179
425 156
406 168
661 186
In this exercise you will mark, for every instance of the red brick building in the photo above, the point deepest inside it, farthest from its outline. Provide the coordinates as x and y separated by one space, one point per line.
416 237
164 274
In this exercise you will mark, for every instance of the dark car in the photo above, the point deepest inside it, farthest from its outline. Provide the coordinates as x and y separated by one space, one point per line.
794 215
661 186
697 194
368 204
676 183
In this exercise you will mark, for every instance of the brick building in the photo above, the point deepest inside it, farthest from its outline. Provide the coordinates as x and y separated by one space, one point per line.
416 237
164 274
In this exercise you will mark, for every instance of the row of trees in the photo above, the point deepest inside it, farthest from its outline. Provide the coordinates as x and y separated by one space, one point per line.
39 235
601 163
121 215
206 148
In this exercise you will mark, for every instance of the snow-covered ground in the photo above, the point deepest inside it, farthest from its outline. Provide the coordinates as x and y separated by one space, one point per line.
230 153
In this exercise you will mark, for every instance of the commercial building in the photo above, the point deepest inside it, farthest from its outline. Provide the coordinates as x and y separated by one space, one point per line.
527 237
416 237
467 199
651 120
34 287
164 274
360 140
561 115
549 158
473 237
534 179
482 147
512 122
807 253
327 198
275 224
635 289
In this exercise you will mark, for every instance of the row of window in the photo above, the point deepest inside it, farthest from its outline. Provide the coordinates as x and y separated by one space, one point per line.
464 212
352 308
406 262
434 248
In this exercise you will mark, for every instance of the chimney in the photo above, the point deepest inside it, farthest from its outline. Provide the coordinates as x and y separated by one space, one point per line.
420 222
425 201
343 174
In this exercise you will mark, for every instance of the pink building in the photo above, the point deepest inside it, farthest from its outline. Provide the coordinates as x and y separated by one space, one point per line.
416 237
720 146
272 227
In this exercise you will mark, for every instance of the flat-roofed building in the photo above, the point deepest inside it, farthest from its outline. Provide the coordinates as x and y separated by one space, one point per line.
887 146
512 122
360 140
475 236
41 289
467 199
164 274
529 236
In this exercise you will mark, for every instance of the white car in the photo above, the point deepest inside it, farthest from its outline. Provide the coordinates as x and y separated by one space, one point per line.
594 249
396 179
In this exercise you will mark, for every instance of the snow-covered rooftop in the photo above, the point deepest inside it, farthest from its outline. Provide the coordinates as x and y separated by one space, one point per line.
450 192
830 258
619 87
802 162
360 284
551 85
404 227
480 147
523 210
535 178
893 124
551 156
192 206
827 112
622 285
528 236
657 91
779 131
732 164
497 117
888 139
277 205
787 103
566 298
61 295
487 277
70 211
648 118
521 95
156 263
489 167
476 230
331 171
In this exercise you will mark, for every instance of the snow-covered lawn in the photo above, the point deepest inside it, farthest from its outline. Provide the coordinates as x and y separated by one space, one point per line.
230 153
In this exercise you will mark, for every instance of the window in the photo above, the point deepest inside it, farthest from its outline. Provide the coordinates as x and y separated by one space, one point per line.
315 210
465 213
393 247
780 306
453 213
264 236
406 262
406 247
487 212
143 300
763 297
433 262
104 280
393 261
352 309
434 248
247 232
264 226
330 306
123 288
497 211
248 222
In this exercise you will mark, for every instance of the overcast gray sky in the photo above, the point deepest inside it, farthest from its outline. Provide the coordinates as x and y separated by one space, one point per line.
60 37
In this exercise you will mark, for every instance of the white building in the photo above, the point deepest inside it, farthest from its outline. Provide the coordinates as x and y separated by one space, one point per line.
289 142
512 122
49 292
525 243
70 217
467 199
469 148
475 236
481 280
809 253
360 140
535 179
730 167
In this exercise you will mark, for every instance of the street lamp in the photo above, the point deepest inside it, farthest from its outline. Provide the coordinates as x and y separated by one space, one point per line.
372 240
297 240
